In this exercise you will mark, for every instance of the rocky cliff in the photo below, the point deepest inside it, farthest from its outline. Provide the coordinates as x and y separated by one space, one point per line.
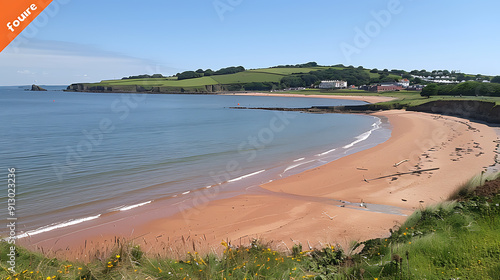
479 110
141 89
37 88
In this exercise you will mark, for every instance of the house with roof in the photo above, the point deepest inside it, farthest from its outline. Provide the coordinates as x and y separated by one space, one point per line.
385 87
404 83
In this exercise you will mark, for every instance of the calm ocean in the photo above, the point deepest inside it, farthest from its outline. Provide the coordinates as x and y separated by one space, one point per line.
78 155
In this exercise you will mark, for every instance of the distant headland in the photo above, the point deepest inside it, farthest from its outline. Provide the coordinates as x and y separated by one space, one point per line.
287 78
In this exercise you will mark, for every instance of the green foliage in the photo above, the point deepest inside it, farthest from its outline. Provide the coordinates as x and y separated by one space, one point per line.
353 76
145 76
387 79
398 72
450 240
188 75
463 89
430 90
305 65
293 81
326 260
209 72
309 79
495 79
234 87
258 86
229 70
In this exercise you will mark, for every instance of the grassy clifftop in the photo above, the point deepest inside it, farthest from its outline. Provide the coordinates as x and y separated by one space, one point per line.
271 78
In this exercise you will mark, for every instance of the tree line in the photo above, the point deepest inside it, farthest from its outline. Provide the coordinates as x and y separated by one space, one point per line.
145 76
304 65
470 88
209 72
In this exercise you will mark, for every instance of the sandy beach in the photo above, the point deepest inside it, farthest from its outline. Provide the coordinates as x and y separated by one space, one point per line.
337 203
369 99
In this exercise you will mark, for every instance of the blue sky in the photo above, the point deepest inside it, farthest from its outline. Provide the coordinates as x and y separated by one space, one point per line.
88 41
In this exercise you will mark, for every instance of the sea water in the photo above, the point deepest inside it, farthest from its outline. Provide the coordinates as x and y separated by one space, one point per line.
80 155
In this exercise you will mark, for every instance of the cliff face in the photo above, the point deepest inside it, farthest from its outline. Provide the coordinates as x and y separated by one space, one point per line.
479 110
141 89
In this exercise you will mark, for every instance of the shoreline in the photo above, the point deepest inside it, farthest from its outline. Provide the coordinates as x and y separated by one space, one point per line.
233 186
226 190
269 210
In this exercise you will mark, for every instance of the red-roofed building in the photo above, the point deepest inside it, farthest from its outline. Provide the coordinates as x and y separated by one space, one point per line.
382 88
404 83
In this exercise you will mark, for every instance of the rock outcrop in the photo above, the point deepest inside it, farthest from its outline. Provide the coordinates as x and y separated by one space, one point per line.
37 88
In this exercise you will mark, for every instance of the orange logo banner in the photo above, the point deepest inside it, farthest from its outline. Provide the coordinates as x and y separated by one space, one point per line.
15 15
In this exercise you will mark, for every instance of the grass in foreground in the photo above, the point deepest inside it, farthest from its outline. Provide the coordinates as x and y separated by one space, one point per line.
453 240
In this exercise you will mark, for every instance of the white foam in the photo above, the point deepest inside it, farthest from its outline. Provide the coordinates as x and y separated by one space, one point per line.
245 176
364 136
208 187
327 152
296 165
299 159
56 226
134 206
184 193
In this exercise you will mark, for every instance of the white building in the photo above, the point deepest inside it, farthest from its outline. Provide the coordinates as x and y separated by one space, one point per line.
404 83
333 84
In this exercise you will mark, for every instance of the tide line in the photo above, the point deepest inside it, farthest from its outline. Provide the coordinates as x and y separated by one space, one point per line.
245 176
134 206
56 226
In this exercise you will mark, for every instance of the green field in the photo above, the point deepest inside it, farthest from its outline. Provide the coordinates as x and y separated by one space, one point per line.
247 77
